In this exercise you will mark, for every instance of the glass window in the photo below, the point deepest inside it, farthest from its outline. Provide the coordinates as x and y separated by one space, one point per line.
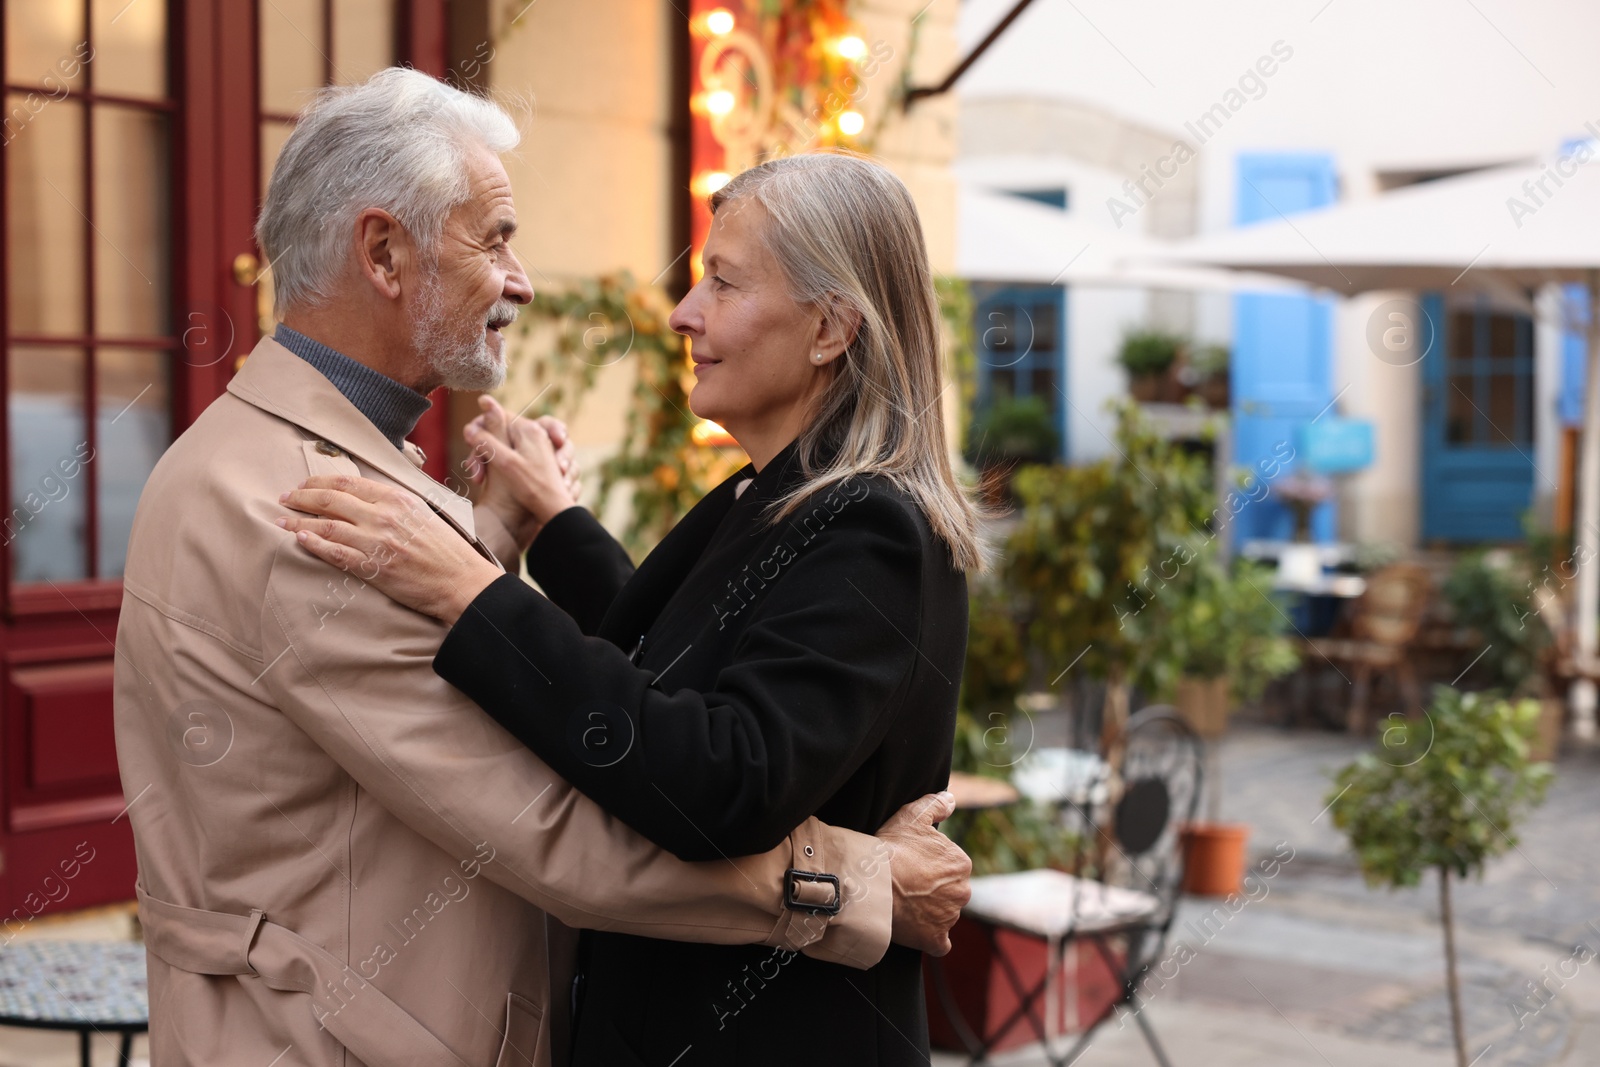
133 424
47 220
130 48
133 223
294 54
47 527
46 45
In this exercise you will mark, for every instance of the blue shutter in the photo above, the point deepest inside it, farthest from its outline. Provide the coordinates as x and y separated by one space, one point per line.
1282 345
1574 347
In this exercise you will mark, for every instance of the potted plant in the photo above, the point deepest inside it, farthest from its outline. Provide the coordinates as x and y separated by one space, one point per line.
1010 431
1206 373
1227 642
1148 356
1088 558
1444 797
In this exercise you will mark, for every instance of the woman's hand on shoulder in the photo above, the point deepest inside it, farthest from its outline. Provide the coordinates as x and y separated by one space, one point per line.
388 538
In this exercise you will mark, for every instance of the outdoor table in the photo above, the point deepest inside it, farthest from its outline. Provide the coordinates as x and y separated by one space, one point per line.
974 792
84 986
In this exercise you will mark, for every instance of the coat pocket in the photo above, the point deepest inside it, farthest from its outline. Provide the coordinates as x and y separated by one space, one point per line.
523 1044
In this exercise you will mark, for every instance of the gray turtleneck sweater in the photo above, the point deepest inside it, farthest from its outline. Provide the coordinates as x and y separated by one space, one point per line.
393 408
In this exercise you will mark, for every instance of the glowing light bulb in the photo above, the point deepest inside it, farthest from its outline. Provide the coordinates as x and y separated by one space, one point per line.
720 102
719 22
710 182
851 47
851 123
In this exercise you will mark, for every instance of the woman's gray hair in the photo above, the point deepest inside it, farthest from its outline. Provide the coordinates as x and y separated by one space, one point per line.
398 142
845 232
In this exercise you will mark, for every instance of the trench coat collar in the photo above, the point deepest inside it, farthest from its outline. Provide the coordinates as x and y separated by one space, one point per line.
277 381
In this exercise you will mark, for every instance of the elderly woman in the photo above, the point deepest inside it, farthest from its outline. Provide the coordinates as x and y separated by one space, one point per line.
792 648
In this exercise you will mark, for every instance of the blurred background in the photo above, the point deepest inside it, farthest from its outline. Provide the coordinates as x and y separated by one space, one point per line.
1268 339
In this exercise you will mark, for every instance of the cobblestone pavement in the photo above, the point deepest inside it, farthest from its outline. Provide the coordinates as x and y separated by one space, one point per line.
1323 970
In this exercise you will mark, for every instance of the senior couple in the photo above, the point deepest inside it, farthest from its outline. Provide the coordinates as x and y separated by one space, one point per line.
392 804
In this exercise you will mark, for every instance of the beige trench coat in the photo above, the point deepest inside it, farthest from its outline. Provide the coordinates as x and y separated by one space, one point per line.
342 861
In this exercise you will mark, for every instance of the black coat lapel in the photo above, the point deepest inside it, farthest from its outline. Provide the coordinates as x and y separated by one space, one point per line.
664 569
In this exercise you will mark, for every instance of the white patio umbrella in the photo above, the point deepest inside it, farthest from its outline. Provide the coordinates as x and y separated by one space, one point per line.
1004 238
1501 230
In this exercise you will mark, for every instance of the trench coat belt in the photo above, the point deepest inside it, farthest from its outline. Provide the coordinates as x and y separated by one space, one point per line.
358 1015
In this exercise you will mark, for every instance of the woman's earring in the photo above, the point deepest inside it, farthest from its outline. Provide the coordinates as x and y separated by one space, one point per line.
817 359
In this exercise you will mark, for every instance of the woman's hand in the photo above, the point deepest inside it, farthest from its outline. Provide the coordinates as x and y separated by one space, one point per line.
528 468
390 539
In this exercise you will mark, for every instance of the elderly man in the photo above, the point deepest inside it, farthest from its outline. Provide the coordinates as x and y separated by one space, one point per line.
341 859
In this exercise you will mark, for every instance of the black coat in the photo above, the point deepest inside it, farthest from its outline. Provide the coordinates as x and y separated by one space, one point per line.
808 668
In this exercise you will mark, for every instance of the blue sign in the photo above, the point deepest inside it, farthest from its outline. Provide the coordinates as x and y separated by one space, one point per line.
1332 445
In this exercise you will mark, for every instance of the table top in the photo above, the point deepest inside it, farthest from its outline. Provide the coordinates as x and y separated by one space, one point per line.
1343 586
74 985
973 791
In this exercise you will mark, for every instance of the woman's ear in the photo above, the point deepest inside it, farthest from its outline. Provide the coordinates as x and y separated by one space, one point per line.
382 245
836 332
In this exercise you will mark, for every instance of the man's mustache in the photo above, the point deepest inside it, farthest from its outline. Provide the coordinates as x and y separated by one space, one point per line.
503 314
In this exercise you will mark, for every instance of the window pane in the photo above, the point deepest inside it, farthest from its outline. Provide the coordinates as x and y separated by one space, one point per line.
363 39
133 225
45 44
999 327
1042 382
133 426
1463 335
1044 326
47 525
292 54
1502 335
1459 417
44 198
130 47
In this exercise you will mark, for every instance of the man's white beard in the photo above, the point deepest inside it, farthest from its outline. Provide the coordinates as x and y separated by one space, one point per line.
456 350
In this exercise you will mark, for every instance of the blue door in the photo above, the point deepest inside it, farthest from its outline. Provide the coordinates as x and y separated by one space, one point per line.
1281 371
1020 335
1478 432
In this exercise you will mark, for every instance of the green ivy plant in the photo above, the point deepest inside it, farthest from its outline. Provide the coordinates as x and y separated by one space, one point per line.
1444 794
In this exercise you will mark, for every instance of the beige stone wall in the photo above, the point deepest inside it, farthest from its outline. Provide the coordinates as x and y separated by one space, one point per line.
591 83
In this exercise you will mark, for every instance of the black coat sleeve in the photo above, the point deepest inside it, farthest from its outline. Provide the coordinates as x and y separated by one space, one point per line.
579 565
796 711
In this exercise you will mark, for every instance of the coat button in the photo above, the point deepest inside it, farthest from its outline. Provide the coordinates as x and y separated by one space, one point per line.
329 449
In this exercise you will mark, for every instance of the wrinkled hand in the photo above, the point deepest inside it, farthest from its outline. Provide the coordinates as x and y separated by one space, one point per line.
932 876
388 538
528 468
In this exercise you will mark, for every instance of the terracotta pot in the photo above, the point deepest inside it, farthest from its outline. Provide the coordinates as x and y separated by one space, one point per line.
1146 388
1203 703
1214 857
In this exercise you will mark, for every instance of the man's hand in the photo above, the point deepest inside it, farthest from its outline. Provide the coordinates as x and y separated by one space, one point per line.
528 468
932 876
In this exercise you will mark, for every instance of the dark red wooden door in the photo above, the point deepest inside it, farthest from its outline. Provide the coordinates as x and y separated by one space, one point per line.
136 141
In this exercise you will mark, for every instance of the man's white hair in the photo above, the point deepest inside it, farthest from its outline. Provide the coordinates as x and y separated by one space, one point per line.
398 142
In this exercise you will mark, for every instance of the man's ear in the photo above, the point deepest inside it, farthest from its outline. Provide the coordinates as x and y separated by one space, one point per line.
836 331
382 246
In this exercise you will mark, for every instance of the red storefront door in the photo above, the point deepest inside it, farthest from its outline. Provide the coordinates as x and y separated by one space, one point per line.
137 137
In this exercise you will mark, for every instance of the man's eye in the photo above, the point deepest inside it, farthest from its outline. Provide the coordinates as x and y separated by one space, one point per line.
719 281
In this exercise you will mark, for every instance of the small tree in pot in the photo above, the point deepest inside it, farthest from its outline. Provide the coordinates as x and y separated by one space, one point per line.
1444 794
1148 356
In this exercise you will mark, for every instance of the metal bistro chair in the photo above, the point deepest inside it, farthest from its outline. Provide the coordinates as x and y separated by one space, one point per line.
1138 868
